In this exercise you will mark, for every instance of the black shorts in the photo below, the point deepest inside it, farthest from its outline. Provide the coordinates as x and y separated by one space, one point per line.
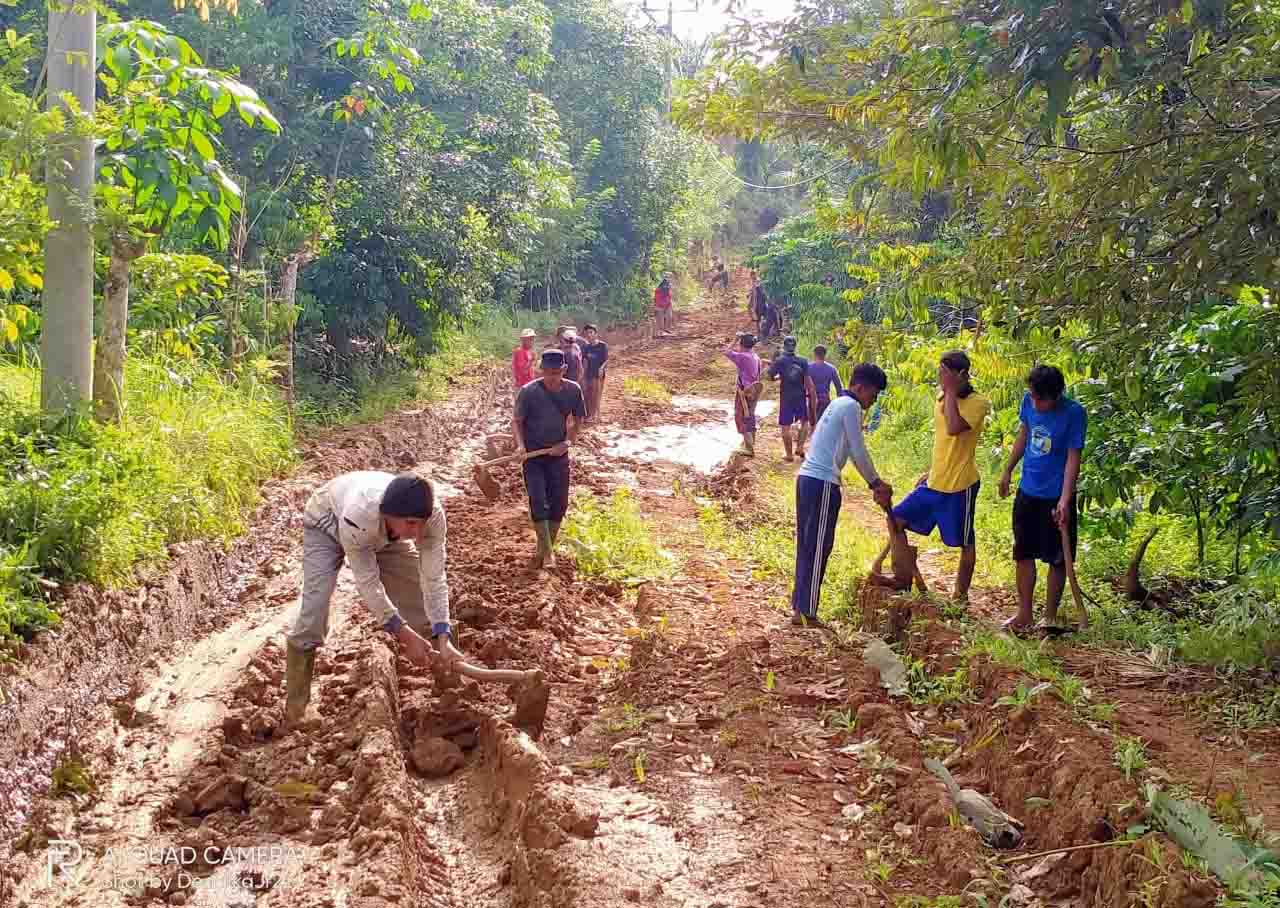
1035 535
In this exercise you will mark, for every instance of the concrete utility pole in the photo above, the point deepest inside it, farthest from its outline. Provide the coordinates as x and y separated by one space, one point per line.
66 336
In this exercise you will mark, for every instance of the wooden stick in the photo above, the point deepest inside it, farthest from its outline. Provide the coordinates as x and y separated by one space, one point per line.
1069 558
500 675
1018 858
507 458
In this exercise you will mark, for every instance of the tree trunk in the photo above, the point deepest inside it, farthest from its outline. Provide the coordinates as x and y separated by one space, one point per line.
66 343
108 359
288 294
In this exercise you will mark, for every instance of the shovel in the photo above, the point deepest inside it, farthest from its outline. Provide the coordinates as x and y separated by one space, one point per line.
487 483
529 690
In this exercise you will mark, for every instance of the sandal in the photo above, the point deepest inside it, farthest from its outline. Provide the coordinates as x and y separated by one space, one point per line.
1054 630
1011 626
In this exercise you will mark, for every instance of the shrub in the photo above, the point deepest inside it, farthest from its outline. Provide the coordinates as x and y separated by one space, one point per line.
83 501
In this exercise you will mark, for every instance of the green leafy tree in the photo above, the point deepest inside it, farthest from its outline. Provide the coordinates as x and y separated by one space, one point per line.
160 167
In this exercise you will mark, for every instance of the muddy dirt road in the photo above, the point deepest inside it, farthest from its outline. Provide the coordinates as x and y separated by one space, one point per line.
698 751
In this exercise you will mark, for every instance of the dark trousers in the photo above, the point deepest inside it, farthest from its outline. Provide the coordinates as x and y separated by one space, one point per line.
817 509
546 479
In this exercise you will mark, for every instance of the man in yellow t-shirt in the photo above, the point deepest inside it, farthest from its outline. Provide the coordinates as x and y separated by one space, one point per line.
947 496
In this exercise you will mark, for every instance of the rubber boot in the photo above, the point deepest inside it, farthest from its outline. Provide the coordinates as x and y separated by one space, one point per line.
300 665
553 531
545 558
749 444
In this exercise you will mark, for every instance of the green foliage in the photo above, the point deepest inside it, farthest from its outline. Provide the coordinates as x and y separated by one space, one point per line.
71 777
944 689
611 539
1025 655
158 163
646 389
1130 756
89 502
1023 695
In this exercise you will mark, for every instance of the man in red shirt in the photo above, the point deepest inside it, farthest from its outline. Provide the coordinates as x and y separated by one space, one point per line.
522 359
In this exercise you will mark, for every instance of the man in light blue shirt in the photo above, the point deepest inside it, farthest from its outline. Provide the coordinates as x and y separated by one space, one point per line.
836 440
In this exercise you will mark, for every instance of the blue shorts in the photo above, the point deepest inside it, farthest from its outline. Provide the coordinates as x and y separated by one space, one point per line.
793 411
951 512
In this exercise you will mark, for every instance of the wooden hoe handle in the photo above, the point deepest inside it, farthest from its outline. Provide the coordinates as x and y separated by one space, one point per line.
500 675
510 457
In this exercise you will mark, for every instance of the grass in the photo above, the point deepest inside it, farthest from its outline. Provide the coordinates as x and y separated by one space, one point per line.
613 540
86 502
363 397
768 545
940 690
646 389
1027 656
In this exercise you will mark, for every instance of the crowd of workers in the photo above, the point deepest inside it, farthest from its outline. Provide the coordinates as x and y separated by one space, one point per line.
392 529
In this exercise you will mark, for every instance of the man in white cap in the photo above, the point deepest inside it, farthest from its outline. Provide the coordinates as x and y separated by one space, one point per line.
391 530
522 359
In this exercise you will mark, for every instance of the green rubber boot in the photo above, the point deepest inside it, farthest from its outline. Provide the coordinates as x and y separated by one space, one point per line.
299 667
545 557
549 531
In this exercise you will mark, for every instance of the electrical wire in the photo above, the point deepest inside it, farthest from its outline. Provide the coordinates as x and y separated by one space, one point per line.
785 186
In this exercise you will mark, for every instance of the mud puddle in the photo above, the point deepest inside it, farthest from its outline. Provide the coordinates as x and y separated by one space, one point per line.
702 445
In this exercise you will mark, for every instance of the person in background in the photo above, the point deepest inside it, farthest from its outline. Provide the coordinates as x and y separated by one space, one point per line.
757 303
567 338
1051 438
824 377
662 307
837 439
797 399
391 530
947 496
771 323
548 413
718 276
595 357
748 390
522 359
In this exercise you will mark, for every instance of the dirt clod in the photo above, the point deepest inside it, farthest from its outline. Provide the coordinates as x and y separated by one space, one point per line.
436 757
226 793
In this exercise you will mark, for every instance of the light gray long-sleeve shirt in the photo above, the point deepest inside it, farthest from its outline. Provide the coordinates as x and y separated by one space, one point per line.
351 503
837 439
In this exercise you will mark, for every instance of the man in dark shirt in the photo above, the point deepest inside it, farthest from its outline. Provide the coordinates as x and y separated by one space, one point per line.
595 356
824 376
548 413
797 398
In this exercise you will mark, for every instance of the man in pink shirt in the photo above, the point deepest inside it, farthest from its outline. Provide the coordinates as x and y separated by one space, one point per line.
522 359
749 390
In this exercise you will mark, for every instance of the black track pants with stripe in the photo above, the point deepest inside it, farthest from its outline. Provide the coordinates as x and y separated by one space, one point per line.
817 508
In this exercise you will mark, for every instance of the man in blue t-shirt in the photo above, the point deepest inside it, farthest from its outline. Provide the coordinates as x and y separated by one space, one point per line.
1051 439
